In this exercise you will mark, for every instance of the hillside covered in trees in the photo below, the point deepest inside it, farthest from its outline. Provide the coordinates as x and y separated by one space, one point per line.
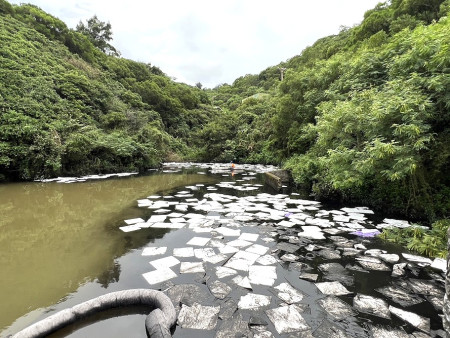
361 116
70 106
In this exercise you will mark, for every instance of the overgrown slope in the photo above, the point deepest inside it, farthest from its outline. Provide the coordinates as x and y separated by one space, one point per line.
361 116
67 108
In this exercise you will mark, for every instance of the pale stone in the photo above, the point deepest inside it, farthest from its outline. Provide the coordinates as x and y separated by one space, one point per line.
371 305
287 319
415 320
198 317
332 288
288 293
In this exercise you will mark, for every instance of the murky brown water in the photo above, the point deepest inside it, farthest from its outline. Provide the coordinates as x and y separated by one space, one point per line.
55 237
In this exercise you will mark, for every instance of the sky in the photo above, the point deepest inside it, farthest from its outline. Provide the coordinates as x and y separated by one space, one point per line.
209 41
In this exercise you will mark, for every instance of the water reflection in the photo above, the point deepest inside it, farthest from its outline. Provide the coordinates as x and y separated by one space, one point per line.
56 237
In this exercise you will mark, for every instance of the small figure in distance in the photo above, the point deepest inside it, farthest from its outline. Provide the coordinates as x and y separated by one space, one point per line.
232 168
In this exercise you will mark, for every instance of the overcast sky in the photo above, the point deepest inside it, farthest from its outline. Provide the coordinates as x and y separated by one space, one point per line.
212 41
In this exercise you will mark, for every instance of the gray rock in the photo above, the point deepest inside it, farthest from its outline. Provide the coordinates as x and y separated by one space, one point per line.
288 293
399 295
287 319
336 308
332 288
372 263
329 330
290 248
186 294
227 309
425 287
371 305
312 277
415 320
219 289
398 270
384 332
329 254
234 327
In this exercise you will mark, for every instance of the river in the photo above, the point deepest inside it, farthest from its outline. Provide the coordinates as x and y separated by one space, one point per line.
61 244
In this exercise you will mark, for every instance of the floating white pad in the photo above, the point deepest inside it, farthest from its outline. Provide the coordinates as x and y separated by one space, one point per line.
157 218
253 301
198 241
227 231
266 260
153 251
161 225
248 256
134 221
130 228
177 220
183 252
238 264
191 267
204 252
257 249
228 249
262 275
215 259
159 276
238 243
164 262
248 237
222 272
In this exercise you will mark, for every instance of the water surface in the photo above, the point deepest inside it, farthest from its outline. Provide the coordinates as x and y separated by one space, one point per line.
55 237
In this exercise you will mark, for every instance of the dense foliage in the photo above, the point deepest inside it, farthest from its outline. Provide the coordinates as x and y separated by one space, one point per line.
432 243
68 108
362 116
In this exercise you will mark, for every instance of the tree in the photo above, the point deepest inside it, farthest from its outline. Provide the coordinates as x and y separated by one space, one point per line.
99 33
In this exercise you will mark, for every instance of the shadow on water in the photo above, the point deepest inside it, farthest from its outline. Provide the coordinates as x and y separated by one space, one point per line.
55 237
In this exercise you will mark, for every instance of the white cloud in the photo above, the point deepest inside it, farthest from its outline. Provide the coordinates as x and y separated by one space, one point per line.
210 41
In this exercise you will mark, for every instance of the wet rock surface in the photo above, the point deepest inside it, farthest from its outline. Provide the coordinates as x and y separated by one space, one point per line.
250 262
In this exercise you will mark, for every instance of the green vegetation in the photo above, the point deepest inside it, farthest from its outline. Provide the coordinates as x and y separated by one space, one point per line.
432 243
361 116
67 108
